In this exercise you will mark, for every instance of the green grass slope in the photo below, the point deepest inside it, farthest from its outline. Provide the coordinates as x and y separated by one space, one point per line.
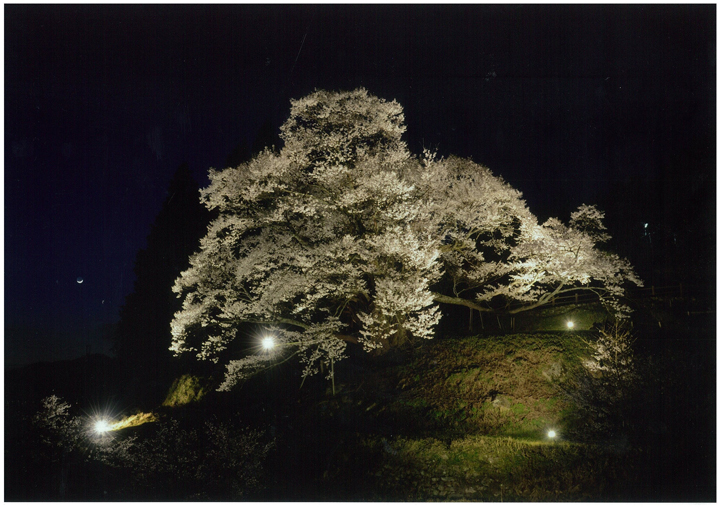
452 419
467 419
499 385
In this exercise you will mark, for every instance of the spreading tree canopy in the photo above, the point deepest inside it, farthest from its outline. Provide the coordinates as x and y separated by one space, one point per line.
344 235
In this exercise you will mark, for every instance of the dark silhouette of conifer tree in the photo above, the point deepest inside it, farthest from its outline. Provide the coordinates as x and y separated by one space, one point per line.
143 336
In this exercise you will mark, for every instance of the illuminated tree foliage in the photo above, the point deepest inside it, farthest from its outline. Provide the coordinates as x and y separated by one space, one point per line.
344 235
55 426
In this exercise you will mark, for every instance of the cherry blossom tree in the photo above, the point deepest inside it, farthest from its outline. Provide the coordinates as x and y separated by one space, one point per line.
345 236
542 262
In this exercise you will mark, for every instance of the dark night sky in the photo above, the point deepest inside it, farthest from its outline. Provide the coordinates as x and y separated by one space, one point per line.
612 105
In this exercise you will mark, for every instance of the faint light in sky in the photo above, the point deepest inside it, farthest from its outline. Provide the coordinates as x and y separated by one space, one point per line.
79 280
155 142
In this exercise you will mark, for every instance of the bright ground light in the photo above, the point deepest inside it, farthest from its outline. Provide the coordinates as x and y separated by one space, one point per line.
551 434
570 325
268 342
102 426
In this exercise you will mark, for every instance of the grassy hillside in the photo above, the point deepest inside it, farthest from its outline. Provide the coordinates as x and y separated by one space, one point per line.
450 419
499 385
460 419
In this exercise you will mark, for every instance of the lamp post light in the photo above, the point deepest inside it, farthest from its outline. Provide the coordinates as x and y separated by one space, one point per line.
570 324
551 434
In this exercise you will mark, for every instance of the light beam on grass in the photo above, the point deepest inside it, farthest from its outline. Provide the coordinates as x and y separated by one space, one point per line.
102 425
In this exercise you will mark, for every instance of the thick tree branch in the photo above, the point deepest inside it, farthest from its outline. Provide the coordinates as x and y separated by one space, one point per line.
275 321
458 301
544 299
549 296
296 323
347 339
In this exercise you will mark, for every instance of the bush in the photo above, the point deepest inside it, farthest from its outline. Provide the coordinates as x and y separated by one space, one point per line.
604 386
224 462
56 428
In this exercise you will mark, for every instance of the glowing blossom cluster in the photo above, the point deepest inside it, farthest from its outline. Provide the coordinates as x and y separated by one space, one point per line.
344 236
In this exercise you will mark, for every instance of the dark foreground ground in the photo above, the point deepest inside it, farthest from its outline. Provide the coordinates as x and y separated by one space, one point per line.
461 419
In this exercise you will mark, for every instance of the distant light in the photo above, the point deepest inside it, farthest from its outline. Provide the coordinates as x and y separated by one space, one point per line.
79 280
551 433
268 343
570 324
646 225
102 426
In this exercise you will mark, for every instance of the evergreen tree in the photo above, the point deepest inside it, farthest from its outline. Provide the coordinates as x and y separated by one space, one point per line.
143 334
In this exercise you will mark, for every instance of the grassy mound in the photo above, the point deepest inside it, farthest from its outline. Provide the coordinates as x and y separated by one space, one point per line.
459 419
498 469
501 385
453 419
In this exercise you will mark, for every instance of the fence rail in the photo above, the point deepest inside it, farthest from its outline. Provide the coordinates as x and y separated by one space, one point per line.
680 296
669 293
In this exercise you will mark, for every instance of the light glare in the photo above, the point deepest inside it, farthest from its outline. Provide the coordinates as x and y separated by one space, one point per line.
570 324
268 342
102 426
551 434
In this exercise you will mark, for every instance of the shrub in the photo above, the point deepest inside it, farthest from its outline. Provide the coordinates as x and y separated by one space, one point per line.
603 387
224 462
56 427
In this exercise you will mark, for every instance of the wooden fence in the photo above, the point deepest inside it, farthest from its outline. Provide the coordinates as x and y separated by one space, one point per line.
664 293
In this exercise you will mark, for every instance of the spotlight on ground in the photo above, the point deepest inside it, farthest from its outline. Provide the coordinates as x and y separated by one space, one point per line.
102 426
